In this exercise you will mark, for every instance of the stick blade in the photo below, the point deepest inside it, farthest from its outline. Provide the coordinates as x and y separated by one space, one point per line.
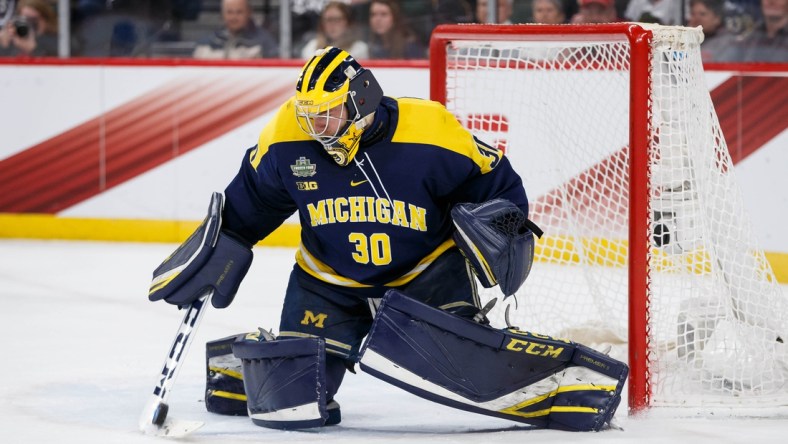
172 428
155 422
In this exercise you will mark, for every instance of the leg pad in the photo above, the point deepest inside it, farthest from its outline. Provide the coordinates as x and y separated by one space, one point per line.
516 375
285 381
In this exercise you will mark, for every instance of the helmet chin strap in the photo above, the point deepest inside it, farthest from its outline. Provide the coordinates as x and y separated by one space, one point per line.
344 149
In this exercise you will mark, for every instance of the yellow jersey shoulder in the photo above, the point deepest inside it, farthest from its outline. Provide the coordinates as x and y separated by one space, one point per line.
283 127
428 122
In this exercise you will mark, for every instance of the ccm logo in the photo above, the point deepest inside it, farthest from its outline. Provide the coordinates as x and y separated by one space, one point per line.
306 186
533 348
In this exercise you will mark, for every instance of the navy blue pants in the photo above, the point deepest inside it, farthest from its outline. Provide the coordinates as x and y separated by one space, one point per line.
343 316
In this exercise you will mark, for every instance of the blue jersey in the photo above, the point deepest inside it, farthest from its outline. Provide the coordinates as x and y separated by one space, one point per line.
384 218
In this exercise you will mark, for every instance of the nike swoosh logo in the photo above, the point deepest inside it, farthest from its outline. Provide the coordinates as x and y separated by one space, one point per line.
353 183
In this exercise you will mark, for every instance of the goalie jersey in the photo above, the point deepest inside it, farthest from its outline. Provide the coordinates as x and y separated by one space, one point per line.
380 221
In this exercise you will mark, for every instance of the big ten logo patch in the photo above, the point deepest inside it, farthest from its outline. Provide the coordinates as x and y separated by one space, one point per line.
314 319
306 186
491 128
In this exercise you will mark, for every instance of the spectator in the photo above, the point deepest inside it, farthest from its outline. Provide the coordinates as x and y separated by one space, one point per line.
741 16
549 12
717 41
336 29
389 38
33 32
240 38
665 12
596 11
6 11
305 19
768 42
305 16
503 15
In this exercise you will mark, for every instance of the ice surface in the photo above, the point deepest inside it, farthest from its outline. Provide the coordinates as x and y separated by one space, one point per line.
82 346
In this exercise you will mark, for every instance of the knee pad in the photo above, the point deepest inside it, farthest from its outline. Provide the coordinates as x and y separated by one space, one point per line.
285 382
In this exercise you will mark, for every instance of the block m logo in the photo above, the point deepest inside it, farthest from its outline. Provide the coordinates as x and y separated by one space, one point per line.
311 318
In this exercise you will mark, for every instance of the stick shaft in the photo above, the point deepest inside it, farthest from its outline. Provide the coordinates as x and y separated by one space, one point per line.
155 411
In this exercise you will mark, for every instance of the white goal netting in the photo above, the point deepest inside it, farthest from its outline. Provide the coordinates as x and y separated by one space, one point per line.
560 106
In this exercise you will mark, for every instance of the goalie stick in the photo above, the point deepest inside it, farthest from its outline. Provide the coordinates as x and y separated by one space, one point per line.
154 419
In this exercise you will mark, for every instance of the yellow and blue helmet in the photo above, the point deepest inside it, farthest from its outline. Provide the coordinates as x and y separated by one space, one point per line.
335 101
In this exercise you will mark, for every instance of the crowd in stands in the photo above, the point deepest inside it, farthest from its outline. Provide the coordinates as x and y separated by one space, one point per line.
32 30
734 30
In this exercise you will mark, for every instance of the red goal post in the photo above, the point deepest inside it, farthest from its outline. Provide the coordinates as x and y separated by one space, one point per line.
686 279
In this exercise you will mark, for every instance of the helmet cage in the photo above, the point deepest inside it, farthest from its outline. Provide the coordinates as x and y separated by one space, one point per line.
316 119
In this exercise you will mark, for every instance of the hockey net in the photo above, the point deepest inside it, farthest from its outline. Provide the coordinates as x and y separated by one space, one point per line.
647 246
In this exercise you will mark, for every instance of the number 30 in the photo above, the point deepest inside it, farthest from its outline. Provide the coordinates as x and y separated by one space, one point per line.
376 247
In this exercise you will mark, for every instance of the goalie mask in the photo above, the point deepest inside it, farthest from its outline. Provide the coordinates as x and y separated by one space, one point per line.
335 101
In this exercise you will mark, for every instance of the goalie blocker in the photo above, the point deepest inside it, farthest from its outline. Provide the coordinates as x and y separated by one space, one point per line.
208 259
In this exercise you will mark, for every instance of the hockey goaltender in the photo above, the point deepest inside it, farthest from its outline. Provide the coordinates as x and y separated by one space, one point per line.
400 207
